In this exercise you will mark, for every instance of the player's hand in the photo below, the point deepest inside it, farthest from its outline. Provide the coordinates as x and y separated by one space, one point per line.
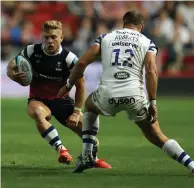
73 119
17 76
153 113
63 91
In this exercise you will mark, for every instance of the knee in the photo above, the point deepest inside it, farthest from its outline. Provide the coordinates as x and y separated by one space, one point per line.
36 114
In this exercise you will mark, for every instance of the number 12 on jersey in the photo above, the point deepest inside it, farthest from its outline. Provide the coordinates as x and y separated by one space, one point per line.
122 59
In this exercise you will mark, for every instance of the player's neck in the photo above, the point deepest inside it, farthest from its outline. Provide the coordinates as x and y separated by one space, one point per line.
57 52
133 27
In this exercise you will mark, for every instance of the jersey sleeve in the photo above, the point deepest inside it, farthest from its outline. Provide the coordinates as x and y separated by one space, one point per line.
153 48
99 39
71 60
27 52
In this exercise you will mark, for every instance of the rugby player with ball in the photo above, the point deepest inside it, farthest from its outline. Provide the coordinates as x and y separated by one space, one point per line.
46 68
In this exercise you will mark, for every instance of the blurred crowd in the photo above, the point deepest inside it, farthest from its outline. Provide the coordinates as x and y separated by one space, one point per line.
169 24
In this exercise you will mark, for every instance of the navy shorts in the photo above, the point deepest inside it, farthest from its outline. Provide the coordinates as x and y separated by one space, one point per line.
61 108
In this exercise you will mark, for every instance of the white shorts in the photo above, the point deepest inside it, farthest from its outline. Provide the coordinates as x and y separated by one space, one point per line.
136 107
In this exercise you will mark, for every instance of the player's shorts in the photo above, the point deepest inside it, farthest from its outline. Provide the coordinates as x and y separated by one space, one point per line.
136 107
61 108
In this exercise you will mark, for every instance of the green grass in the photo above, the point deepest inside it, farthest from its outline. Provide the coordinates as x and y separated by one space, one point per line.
28 162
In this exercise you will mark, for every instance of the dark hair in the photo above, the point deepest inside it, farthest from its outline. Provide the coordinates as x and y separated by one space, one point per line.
133 17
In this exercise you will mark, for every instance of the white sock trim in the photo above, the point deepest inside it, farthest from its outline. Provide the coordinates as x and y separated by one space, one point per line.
184 159
89 136
51 135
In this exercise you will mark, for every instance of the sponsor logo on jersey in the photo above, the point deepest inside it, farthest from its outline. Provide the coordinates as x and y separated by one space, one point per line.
59 68
119 101
43 76
121 75
123 43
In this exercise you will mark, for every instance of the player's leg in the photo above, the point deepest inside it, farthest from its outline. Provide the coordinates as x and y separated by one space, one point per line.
152 132
170 146
89 131
62 109
41 115
99 163
90 125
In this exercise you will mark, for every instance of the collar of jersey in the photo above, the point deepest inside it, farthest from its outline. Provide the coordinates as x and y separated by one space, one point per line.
60 50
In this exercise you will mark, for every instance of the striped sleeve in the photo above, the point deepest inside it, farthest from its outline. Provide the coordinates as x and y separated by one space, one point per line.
99 39
27 52
153 48
71 60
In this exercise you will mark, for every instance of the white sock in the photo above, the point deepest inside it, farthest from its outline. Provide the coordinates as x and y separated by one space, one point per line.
89 130
174 150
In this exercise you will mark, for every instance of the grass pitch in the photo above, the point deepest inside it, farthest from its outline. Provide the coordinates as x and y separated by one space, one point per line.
28 162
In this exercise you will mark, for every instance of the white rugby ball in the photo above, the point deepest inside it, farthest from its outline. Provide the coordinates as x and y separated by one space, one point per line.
24 66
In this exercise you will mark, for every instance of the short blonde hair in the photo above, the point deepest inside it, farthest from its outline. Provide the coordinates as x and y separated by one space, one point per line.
52 24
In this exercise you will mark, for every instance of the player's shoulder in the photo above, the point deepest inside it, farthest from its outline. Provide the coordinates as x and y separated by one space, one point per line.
66 52
146 38
28 51
34 48
70 57
150 45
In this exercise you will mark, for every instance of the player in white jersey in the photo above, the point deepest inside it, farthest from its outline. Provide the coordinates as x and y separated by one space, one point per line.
124 54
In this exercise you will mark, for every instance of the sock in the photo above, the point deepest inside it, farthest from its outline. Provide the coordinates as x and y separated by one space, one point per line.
89 131
174 150
52 137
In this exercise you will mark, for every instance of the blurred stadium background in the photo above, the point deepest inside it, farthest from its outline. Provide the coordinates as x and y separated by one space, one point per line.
28 162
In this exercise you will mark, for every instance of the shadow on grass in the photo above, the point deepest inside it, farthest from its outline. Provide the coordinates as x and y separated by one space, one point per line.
35 170
98 173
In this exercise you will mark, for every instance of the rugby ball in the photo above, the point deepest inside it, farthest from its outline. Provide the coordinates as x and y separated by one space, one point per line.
24 66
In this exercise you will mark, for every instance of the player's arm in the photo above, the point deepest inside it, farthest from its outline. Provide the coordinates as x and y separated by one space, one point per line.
79 68
13 74
151 75
151 84
79 94
12 69
89 57
74 118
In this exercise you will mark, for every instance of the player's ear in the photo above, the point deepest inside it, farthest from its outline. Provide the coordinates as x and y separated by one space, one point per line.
62 37
142 27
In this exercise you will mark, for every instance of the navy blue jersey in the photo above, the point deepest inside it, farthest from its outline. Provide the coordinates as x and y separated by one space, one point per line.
50 72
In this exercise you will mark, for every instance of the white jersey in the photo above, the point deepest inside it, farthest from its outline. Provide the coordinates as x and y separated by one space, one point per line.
122 55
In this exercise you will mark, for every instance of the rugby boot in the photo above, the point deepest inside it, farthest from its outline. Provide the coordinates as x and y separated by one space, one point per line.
99 163
64 157
84 163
